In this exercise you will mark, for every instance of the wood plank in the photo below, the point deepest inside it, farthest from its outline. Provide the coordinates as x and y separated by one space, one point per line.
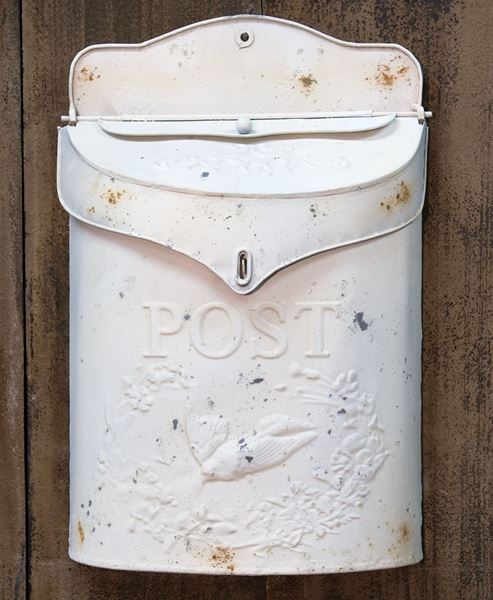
452 41
53 31
12 494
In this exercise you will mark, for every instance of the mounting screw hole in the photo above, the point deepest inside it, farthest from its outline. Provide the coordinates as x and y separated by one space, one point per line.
244 38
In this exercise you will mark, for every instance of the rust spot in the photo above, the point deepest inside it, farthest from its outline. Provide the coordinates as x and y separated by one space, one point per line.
80 531
307 81
404 533
400 197
91 209
113 196
387 76
88 75
223 557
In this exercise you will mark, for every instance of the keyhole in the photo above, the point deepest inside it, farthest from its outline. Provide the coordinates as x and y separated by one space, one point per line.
244 267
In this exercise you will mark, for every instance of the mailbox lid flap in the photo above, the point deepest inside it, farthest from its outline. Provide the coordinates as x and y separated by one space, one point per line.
216 230
359 152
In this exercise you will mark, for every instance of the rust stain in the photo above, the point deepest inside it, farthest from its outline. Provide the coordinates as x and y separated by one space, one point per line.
80 531
223 557
404 533
400 197
88 75
387 76
403 537
307 81
91 209
113 196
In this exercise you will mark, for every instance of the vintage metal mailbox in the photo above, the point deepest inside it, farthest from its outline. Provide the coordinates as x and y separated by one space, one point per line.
245 201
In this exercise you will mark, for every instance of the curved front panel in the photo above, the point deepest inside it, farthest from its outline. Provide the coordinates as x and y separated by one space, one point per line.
218 433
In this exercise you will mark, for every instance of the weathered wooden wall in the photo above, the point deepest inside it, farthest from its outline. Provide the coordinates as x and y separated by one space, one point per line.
451 38
12 482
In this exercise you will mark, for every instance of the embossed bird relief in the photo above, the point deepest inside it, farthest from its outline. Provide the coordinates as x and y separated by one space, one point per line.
222 458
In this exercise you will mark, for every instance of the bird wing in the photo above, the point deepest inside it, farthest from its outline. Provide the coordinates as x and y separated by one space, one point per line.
280 425
262 452
205 434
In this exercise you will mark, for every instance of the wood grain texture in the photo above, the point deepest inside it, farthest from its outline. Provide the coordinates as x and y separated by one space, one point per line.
12 491
449 38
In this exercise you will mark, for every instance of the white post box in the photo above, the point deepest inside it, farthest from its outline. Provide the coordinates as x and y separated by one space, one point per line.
245 201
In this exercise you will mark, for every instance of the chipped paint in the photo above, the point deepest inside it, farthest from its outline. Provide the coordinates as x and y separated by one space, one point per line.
360 321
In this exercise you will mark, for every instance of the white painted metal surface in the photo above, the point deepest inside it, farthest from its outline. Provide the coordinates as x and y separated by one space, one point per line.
234 408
